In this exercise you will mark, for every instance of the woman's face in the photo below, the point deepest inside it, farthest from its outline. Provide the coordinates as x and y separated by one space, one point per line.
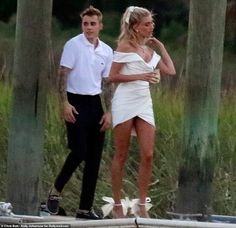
145 27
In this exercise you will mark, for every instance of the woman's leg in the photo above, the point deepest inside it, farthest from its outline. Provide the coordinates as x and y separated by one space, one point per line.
122 134
146 138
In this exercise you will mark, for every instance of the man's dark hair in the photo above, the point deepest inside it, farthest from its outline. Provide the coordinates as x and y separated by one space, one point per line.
91 11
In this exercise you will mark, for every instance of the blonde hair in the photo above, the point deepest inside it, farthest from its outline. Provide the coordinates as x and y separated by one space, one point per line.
133 15
91 11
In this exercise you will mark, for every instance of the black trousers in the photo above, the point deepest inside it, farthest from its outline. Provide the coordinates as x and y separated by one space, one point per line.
85 142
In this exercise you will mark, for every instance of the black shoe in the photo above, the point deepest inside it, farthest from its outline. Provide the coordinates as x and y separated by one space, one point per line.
43 209
53 204
87 215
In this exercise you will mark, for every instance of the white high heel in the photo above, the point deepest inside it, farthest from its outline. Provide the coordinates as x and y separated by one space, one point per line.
135 207
108 208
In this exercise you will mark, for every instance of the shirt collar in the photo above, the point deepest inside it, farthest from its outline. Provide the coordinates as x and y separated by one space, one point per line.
86 42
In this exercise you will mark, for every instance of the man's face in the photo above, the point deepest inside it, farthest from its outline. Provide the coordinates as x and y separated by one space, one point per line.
91 27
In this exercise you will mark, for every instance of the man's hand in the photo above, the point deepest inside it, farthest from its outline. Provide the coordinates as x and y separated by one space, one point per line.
69 112
105 121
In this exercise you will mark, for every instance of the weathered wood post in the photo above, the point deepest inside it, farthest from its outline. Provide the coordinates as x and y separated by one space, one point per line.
31 70
203 72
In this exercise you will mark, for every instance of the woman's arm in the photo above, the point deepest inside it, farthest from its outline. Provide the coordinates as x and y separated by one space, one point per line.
165 65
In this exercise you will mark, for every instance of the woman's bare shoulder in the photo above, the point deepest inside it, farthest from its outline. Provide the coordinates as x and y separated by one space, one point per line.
125 47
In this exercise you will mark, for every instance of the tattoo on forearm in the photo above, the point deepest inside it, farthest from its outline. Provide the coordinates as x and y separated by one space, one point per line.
108 90
63 74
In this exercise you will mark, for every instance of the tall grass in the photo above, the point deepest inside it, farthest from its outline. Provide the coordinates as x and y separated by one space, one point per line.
4 123
225 179
168 111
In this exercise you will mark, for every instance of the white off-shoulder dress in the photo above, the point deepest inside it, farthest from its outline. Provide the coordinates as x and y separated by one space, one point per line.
133 98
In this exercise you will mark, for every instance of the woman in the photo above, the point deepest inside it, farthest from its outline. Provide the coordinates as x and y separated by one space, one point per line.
132 70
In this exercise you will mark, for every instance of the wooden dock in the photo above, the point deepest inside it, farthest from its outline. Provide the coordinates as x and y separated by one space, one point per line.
67 222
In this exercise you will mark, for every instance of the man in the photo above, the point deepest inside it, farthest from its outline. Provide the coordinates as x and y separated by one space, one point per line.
84 68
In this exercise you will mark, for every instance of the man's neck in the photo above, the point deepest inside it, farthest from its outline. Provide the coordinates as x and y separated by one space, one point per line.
93 41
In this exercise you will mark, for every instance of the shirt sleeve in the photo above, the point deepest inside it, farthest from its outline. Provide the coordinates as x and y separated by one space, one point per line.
68 56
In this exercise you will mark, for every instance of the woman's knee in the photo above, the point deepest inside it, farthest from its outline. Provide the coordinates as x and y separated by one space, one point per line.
147 158
120 158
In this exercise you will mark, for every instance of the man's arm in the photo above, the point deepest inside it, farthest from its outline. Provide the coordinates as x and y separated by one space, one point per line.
69 110
63 75
107 88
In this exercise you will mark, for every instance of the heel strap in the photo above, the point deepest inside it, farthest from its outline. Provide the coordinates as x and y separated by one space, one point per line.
142 204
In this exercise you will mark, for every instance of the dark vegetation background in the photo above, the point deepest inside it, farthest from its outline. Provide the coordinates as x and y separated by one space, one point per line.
171 19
